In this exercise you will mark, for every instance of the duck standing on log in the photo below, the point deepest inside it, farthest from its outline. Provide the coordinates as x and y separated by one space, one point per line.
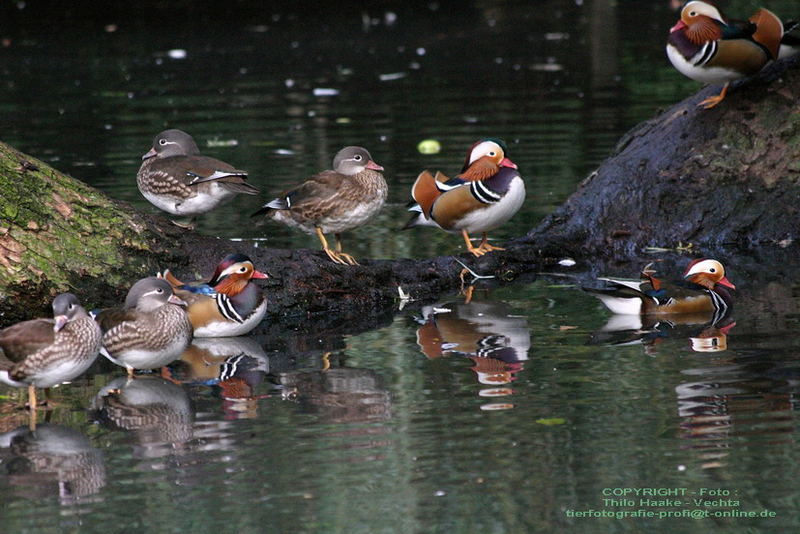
176 178
707 47
150 331
334 200
487 193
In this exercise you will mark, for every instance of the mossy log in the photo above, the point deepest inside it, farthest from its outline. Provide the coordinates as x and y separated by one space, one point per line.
730 175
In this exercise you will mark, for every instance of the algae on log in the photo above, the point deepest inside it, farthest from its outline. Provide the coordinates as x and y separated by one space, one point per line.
706 177
58 234
728 175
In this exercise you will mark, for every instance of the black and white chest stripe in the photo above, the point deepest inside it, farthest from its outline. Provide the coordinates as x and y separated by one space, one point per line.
706 53
483 194
226 308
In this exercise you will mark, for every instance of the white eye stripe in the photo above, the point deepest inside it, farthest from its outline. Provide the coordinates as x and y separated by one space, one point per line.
486 148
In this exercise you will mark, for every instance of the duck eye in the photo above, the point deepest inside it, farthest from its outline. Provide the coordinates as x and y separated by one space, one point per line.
493 153
692 13
357 157
162 142
243 269
712 270
159 290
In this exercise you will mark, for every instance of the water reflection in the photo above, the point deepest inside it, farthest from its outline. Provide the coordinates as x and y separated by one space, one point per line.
735 397
340 394
157 411
487 332
704 331
234 366
53 460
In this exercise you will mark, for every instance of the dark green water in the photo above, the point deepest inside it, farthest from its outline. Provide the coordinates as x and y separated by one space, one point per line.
522 412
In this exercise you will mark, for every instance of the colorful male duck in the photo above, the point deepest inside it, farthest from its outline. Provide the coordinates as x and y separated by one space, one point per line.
151 331
703 289
487 193
229 304
176 178
334 200
45 352
708 48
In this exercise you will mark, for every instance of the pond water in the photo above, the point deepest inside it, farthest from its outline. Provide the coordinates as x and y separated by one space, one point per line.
505 414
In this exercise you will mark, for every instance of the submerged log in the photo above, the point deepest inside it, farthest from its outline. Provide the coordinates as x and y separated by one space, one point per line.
730 175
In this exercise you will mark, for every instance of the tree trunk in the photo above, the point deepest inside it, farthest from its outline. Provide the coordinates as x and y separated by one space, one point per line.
688 176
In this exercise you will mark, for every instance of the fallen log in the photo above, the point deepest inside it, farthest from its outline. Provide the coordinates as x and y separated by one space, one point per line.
730 175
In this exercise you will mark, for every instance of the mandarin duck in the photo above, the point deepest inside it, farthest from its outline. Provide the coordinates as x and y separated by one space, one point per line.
334 200
229 304
707 47
176 178
150 331
52 461
158 411
45 352
704 288
487 193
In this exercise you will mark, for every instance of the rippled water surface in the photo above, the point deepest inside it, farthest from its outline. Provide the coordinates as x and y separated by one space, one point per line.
505 414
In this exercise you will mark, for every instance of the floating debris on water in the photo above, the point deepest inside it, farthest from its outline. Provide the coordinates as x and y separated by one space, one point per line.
429 146
325 91
222 142
392 76
177 53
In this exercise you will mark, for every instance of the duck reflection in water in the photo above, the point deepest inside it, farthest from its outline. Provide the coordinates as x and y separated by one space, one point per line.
705 331
156 410
52 460
235 366
338 393
488 332
734 400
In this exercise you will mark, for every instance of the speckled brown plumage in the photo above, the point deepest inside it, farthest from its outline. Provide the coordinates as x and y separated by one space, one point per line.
176 178
45 352
334 200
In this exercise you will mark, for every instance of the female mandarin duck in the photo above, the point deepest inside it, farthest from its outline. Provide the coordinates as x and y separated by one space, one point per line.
229 304
708 48
45 352
176 178
487 193
151 331
703 289
334 200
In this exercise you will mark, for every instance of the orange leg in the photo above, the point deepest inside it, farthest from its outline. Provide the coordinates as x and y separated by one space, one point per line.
477 252
712 101
335 255
485 246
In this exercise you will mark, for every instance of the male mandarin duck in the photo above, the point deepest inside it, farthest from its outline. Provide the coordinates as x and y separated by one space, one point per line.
707 47
487 193
150 331
334 200
229 304
176 178
45 352
702 289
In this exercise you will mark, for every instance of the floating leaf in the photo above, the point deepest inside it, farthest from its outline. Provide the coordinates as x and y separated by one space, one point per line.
429 146
550 421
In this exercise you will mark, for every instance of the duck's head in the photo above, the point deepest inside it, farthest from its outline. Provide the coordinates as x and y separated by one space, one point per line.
703 20
707 273
151 293
352 160
233 273
172 143
488 152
